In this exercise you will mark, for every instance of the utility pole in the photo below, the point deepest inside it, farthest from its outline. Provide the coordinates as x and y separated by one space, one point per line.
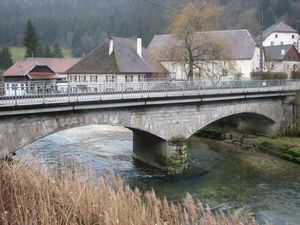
261 42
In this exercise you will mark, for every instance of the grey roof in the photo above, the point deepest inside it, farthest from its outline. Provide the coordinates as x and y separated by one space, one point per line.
124 59
239 43
274 53
278 28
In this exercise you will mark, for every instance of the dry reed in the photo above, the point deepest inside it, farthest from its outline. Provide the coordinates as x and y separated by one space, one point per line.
31 196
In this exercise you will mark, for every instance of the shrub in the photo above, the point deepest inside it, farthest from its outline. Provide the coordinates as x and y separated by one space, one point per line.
295 75
269 76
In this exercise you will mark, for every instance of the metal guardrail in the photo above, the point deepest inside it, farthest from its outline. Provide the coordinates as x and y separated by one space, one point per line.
47 93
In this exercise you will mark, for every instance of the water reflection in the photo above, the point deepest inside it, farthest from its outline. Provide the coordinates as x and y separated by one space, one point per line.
223 178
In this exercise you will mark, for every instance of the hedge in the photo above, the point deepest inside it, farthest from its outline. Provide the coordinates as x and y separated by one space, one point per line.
269 76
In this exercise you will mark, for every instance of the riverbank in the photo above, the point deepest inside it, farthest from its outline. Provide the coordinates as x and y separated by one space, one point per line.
287 148
74 196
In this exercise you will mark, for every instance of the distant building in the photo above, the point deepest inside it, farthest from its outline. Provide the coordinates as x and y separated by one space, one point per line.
21 71
243 54
118 60
24 75
282 58
280 34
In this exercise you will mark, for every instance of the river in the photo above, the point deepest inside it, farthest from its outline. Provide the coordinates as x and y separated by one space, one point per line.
247 182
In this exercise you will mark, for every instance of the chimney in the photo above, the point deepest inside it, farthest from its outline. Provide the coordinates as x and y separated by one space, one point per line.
111 45
139 46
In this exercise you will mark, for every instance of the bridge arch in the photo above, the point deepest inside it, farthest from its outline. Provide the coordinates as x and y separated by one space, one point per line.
23 130
267 124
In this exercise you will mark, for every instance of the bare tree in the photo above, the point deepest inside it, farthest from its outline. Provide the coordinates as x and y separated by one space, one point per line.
199 52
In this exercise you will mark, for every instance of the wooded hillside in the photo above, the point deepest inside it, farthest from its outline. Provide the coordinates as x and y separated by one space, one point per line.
83 24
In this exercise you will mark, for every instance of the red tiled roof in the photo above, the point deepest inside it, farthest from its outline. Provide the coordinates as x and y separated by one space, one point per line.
58 65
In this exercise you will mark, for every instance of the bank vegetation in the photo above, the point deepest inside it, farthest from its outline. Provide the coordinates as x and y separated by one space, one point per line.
31 196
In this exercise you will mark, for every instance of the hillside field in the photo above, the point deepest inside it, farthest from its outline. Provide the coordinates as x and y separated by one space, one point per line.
19 52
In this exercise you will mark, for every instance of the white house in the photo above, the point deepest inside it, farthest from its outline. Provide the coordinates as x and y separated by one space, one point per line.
118 60
282 58
242 54
280 34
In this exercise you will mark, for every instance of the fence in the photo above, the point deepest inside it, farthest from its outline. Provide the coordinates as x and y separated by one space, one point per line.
45 93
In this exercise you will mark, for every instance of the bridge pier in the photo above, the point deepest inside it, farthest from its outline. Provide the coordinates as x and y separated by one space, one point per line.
167 155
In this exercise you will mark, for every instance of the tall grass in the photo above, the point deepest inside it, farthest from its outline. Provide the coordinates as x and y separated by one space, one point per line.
31 196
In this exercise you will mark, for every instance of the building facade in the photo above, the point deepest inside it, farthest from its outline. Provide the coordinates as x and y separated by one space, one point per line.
282 58
240 57
280 34
118 60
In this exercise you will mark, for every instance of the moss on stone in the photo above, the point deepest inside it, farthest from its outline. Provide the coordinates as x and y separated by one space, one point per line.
212 133
284 147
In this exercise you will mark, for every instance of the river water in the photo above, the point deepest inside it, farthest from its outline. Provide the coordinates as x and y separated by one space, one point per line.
246 182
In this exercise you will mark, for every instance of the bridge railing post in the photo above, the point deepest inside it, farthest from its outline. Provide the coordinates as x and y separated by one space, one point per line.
122 91
77 93
166 83
16 99
100 92
43 94
69 92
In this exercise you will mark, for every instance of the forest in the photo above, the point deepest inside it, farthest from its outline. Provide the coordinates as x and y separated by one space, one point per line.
83 24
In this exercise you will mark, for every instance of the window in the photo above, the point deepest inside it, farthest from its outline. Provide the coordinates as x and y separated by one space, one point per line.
94 78
141 78
272 43
224 72
82 78
173 75
129 78
281 43
288 66
276 35
73 78
14 86
293 36
110 78
22 86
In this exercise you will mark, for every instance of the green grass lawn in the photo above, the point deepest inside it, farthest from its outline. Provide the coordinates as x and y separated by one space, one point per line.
18 53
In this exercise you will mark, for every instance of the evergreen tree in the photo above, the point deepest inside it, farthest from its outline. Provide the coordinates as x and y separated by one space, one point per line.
5 59
47 51
57 51
263 5
269 17
283 7
77 43
31 41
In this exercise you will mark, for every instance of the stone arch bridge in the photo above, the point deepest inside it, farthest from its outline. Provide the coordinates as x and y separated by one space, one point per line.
160 126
